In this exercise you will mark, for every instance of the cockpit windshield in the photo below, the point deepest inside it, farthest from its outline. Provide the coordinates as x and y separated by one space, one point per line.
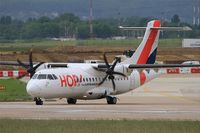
44 76
50 77
34 76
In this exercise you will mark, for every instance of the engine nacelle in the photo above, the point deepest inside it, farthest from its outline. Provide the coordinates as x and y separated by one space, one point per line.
121 69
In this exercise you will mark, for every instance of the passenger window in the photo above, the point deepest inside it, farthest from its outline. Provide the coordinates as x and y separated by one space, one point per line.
54 76
50 77
87 79
42 76
34 76
83 79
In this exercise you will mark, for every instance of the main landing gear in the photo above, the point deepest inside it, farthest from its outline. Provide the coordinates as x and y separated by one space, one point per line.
38 101
111 100
71 100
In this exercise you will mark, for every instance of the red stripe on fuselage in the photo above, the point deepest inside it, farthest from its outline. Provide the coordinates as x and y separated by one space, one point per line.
142 78
148 46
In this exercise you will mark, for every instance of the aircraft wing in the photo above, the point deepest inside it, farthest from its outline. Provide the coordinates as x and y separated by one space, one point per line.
12 63
138 66
147 66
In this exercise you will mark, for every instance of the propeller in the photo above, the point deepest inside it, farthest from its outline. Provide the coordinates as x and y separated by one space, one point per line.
110 71
30 69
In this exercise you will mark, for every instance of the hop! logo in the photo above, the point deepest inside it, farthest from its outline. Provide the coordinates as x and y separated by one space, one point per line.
70 80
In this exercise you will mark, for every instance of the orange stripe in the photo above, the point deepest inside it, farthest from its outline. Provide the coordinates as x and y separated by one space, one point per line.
147 48
142 78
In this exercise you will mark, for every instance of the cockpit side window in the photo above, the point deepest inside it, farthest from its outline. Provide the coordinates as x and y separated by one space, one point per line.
34 76
50 77
42 76
54 76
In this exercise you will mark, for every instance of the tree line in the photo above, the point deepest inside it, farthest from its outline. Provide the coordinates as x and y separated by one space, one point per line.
69 25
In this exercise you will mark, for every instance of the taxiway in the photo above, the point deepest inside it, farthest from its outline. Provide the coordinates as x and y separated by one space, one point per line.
175 97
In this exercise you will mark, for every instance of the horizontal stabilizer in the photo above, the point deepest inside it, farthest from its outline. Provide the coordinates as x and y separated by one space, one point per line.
132 28
186 28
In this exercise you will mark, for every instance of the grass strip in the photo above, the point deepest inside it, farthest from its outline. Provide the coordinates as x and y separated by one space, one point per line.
98 126
44 44
13 90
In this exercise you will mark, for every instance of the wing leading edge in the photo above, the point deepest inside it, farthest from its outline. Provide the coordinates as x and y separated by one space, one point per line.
147 66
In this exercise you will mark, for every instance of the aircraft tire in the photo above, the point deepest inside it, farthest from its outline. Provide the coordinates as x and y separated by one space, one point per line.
38 101
111 100
71 101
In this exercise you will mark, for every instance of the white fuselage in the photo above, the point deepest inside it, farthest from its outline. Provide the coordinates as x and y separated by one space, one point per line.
85 81
80 81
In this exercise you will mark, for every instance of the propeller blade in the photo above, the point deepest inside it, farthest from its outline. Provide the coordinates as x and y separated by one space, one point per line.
30 59
32 70
23 75
31 74
106 61
118 73
103 80
109 70
113 83
114 64
29 68
22 64
35 67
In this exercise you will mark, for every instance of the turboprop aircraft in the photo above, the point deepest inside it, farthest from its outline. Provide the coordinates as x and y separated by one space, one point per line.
95 81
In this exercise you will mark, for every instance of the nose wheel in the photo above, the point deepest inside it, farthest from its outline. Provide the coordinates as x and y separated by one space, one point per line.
38 101
111 100
71 101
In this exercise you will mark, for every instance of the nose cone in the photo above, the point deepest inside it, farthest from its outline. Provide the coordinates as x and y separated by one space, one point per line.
33 89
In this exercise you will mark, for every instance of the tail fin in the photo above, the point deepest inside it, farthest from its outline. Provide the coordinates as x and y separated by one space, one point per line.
146 52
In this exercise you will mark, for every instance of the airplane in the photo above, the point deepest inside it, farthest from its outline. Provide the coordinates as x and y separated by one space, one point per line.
84 81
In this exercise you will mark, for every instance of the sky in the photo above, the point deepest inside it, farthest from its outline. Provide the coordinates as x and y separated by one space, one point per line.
164 9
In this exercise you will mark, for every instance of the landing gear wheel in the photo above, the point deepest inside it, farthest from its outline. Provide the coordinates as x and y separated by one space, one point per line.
111 100
38 101
71 101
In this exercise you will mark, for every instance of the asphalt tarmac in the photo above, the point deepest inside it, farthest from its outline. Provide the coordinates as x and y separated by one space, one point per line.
174 97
